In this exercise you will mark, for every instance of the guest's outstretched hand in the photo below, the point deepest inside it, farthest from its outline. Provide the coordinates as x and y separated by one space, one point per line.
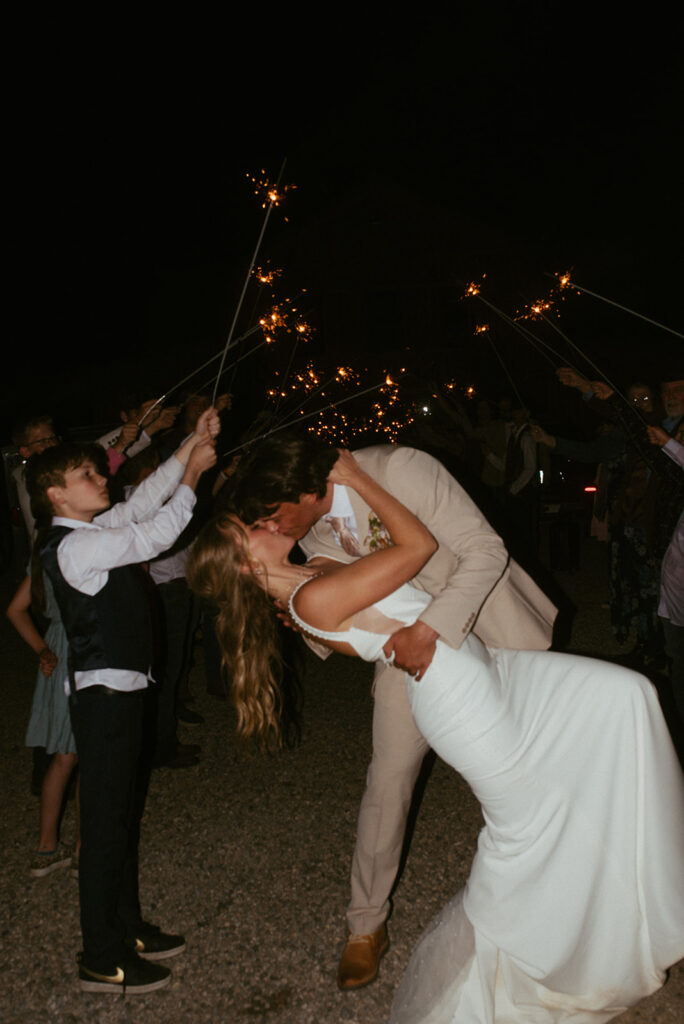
208 425
129 433
202 456
601 389
539 435
163 421
657 435
572 379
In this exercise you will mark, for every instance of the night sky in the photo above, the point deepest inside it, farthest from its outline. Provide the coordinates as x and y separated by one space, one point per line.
514 139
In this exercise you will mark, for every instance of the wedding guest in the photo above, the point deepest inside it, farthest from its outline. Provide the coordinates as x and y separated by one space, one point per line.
91 557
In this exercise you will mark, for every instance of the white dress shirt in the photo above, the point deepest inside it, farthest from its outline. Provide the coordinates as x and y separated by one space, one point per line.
132 531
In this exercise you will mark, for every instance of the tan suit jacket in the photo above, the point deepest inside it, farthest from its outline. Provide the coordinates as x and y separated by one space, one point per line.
473 582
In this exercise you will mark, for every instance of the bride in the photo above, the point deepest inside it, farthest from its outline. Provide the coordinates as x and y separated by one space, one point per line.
574 906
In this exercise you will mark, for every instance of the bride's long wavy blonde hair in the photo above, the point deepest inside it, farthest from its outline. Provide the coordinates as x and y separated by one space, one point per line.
219 569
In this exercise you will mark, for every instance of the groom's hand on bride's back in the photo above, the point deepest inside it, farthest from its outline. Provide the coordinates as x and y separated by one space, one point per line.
413 647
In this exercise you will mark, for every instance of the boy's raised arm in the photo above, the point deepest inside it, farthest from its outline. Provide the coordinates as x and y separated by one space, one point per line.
160 485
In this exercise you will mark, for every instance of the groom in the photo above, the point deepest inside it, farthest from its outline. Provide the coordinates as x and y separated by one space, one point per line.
282 486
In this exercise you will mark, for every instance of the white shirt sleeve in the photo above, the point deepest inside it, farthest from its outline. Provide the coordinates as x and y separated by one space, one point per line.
147 498
675 450
107 440
88 553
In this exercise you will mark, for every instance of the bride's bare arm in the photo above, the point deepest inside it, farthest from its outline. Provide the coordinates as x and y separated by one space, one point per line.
330 601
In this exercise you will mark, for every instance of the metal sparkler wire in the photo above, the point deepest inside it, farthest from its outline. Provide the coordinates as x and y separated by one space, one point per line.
271 204
526 334
301 419
626 309
235 361
539 345
505 368
217 355
591 363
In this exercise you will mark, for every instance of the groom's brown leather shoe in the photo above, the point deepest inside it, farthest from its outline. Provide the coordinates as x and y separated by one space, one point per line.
361 958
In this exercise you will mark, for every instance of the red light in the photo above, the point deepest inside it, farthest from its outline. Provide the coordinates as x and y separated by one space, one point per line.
590 490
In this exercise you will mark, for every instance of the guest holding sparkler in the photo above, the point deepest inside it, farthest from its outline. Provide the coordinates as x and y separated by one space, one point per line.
644 501
91 557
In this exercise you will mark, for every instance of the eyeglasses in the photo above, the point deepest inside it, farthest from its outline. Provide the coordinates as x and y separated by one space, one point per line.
642 398
46 442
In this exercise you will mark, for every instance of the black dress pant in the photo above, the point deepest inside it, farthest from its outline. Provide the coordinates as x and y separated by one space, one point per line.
108 728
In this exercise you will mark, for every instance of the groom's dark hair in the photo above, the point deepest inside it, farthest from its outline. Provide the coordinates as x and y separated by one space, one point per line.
280 469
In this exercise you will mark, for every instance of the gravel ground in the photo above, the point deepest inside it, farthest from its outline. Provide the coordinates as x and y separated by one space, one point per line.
250 860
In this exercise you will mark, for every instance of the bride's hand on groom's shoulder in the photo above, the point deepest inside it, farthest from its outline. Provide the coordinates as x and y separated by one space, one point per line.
346 469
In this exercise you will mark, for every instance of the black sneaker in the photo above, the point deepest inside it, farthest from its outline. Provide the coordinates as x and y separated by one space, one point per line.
188 716
133 976
152 944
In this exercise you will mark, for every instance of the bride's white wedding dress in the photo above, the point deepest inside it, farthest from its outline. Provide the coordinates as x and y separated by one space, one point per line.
574 906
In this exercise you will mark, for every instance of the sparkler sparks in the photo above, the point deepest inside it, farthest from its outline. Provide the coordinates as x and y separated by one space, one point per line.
284 317
481 329
386 414
270 193
266 276
473 288
536 310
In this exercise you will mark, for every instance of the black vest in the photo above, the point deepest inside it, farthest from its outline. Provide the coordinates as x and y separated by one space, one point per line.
111 629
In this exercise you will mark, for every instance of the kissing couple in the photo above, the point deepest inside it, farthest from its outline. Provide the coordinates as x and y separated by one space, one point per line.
574 906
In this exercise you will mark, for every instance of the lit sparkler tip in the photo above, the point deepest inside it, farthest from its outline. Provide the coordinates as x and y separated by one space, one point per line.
474 287
266 275
273 194
535 310
481 329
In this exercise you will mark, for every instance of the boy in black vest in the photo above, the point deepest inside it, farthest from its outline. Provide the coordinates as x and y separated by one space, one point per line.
92 557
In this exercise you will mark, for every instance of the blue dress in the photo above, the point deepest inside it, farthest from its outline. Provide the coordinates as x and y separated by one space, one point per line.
49 722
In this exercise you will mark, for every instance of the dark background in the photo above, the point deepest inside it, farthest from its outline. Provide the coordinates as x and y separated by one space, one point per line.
517 139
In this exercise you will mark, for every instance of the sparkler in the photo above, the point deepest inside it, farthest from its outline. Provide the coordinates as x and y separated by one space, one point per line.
266 276
593 365
199 369
273 197
565 282
505 369
523 331
536 310
285 317
473 288
230 366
